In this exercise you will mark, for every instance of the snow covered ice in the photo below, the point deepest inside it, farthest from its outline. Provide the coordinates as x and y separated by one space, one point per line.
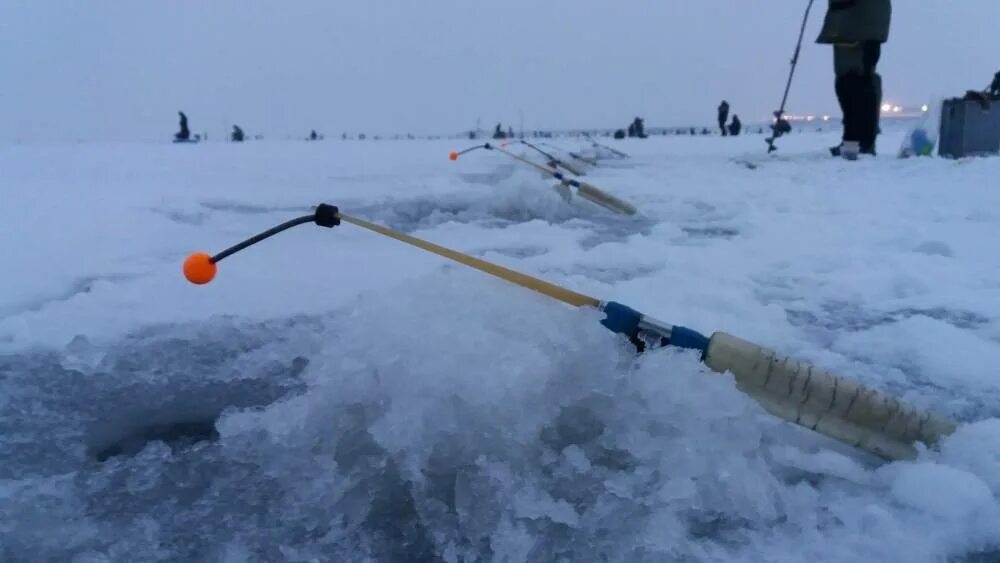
337 396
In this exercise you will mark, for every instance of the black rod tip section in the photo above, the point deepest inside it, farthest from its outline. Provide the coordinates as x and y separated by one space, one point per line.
327 215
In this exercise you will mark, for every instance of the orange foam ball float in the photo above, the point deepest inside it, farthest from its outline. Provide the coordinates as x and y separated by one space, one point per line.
453 155
199 268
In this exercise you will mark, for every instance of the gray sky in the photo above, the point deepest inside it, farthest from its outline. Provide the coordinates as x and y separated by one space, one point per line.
119 70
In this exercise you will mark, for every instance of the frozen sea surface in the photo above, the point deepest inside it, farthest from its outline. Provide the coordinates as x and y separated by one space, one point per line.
339 396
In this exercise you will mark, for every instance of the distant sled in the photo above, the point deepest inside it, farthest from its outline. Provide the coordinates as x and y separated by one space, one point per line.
195 139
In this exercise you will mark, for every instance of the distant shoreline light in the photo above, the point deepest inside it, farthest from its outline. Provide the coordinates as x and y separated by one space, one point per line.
888 109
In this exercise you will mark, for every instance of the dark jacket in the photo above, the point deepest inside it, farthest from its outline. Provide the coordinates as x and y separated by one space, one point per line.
850 21
735 126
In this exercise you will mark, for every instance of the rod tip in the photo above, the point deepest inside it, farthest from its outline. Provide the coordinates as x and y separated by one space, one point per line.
199 268
453 155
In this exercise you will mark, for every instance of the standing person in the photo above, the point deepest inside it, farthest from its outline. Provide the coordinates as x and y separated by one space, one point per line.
184 134
723 116
857 29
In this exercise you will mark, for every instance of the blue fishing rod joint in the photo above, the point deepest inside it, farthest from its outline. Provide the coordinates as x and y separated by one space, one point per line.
621 319
632 324
684 337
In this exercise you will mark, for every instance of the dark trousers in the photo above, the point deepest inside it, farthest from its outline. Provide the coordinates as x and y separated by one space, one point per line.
859 90
722 126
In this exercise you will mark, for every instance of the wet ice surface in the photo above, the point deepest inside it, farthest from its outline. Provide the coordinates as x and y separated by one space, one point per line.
337 396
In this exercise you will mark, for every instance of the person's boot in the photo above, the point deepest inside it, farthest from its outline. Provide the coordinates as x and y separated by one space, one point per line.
862 149
849 150
855 93
868 149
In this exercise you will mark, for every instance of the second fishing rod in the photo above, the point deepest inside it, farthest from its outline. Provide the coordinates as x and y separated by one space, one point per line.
583 189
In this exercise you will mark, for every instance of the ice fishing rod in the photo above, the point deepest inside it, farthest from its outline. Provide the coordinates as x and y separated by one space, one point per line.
581 158
790 389
781 125
553 161
596 144
573 155
583 189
